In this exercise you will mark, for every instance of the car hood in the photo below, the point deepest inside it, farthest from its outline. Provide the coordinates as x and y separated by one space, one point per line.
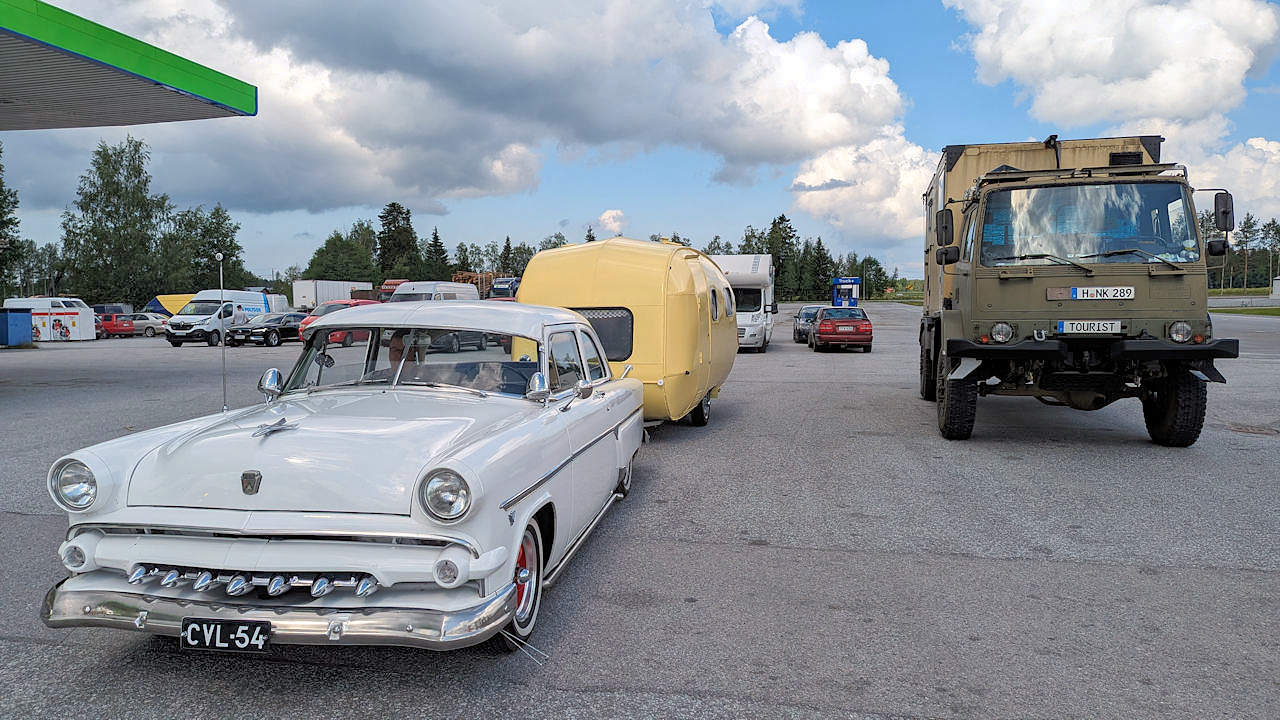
354 451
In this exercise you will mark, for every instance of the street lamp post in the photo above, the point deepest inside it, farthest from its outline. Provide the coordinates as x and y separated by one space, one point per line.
222 300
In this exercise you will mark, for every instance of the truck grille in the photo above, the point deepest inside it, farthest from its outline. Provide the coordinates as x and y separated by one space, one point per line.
742 332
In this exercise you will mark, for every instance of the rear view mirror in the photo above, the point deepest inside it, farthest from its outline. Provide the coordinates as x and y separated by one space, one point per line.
948 255
271 384
942 226
1224 214
582 390
538 390
774 308
1216 247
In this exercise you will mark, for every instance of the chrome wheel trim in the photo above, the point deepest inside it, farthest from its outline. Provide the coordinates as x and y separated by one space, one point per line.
527 592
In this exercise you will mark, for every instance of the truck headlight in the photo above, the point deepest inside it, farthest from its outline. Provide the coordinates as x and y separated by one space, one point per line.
73 485
445 495
1001 332
1180 331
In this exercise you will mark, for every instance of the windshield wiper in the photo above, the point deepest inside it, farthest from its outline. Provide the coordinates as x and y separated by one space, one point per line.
446 386
1047 256
1134 251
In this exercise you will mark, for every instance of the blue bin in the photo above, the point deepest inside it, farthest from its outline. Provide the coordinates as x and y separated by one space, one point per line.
15 326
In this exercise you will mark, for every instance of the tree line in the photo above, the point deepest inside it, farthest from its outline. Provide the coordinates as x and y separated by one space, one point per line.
120 241
1253 255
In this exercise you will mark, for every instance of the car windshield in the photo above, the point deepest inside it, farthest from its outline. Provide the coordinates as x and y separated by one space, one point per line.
748 299
269 319
327 308
808 313
1109 223
410 297
200 307
417 358
844 314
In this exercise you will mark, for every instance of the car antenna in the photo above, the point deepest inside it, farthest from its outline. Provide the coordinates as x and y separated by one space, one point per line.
222 299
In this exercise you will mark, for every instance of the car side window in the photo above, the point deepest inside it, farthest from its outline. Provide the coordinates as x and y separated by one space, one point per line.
591 354
971 229
566 365
715 305
226 311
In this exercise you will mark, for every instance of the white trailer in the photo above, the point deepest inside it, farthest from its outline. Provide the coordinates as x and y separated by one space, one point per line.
307 294
751 277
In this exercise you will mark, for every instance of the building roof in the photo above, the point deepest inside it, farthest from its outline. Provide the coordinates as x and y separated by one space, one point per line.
497 317
59 70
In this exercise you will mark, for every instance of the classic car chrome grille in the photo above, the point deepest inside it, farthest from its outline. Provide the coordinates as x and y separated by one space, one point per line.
433 541
235 583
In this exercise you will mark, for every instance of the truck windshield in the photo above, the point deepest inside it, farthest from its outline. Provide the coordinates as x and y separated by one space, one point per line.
748 299
200 307
1105 223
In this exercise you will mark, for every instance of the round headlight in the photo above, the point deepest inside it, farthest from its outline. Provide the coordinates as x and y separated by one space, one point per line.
1002 332
1180 331
74 486
445 495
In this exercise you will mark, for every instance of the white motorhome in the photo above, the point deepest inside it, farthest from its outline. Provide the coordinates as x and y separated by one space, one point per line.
434 290
751 277
57 318
208 314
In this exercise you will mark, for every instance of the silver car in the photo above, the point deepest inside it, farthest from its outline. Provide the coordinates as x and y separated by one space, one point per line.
148 323
802 321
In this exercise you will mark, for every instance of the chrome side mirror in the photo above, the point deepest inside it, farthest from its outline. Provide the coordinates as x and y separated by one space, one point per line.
538 390
271 384
582 390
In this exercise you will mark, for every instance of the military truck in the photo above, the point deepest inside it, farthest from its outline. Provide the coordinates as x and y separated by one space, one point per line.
1073 272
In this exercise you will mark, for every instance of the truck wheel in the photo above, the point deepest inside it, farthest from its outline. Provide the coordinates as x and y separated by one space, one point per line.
528 592
700 415
928 380
957 404
214 338
1174 410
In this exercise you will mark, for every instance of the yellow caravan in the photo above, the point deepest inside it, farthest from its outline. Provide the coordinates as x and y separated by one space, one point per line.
663 308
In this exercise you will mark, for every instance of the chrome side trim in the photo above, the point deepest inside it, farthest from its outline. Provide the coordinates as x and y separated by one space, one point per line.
406 627
511 501
310 534
551 576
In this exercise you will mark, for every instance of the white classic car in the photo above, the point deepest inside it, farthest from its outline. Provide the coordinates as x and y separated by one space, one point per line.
388 492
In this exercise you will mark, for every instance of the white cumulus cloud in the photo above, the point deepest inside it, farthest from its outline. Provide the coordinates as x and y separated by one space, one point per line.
613 221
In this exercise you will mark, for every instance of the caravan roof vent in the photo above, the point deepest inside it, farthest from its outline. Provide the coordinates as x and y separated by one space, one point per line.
1126 158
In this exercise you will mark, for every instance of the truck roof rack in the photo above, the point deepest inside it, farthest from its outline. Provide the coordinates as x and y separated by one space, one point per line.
1012 175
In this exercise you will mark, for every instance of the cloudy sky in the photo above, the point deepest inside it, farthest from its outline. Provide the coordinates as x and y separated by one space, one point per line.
503 117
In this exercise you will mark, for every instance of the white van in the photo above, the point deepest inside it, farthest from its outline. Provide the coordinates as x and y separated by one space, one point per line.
751 277
200 320
57 318
434 290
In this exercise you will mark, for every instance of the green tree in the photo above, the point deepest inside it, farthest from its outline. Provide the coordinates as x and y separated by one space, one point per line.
211 233
520 256
12 250
551 242
435 259
341 258
363 234
1246 234
462 261
1270 241
492 253
718 247
504 258
752 242
590 236
1209 231
397 243
110 230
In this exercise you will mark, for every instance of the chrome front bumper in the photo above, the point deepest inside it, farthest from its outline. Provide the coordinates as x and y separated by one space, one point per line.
407 627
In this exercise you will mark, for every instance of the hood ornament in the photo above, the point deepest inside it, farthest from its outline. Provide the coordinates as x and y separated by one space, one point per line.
281 424
250 481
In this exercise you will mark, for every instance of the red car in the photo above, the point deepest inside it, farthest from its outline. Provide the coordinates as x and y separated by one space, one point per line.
847 326
327 307
118 325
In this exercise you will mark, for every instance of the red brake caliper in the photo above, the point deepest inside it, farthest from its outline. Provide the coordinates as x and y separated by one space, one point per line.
521 588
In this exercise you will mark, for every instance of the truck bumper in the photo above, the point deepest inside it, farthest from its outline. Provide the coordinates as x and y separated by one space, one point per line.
315 624
1053 349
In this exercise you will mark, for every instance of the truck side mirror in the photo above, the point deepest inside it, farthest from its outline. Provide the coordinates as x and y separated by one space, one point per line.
942 226
1224 214
948 255
774 308
1216 247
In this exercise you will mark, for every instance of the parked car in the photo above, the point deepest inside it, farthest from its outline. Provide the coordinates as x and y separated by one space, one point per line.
325 308
114 325
456 488
843 326
98 333
149 324
269 329
802 321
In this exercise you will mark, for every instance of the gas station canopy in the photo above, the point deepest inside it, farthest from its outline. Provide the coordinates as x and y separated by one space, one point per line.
59 70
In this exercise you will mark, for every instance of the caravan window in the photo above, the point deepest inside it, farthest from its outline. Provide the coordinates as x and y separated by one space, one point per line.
715 305
728 303
614 327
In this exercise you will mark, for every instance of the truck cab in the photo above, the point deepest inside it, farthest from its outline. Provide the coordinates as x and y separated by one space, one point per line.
1072 272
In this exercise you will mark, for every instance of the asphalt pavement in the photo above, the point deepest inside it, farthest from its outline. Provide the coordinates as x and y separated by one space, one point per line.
816 551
